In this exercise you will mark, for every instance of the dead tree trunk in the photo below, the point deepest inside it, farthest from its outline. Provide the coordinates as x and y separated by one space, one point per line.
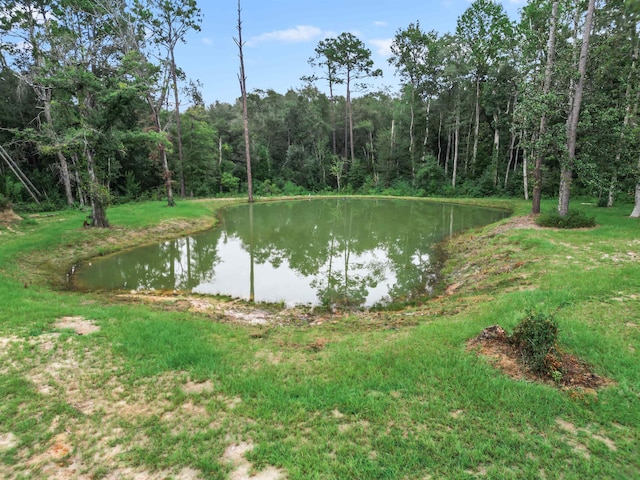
245 116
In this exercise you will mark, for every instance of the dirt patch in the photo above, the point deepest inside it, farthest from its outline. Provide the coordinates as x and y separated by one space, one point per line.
80 325
8 217
198 387
527 221
493 343
571 433
235 456
8 441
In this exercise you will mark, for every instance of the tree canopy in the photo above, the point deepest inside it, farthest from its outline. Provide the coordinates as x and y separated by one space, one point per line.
535 107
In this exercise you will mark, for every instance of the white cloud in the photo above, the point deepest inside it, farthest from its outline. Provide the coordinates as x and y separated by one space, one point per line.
382 46
380 23
301 33
207 41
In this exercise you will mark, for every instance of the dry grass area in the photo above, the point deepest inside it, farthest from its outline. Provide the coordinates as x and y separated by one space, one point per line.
110 408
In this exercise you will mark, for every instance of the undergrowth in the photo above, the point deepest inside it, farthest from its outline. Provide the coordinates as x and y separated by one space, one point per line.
573 219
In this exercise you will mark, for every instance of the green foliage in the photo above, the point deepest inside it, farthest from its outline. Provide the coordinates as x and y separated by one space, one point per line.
12 189
403 142
574 219
291 189
5 204
229 182
401 188
535 338
132 188
267 188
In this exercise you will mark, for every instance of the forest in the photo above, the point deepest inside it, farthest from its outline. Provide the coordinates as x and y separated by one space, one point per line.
95 110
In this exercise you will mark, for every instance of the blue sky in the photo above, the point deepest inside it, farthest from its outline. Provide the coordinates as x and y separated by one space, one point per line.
281 35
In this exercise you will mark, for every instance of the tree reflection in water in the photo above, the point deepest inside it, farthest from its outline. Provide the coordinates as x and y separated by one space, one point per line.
347 252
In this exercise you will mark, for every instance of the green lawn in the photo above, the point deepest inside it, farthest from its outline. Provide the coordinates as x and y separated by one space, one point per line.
163 392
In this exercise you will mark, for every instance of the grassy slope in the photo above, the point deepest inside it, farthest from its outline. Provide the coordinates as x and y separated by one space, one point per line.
372 403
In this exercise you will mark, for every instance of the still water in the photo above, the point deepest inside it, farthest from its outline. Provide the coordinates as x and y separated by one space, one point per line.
349 252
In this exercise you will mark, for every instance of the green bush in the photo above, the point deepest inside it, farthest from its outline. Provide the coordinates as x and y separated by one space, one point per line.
573 219
535 338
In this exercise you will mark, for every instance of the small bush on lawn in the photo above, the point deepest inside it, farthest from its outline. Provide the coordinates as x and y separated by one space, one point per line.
535 338
573 219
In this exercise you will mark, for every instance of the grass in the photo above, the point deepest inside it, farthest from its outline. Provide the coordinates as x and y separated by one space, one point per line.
164 392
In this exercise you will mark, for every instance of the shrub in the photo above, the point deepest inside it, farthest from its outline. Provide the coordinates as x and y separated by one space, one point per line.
573 219
535 338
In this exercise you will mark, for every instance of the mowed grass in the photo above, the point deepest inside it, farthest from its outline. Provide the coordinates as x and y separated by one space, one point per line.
162 393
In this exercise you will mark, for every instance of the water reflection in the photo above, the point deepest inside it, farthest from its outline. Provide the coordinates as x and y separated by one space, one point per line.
355 252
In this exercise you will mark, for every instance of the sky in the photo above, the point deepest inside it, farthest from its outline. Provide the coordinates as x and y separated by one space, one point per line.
280 36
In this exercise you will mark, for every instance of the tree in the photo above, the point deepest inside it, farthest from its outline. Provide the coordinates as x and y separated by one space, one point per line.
347 59
168 22
90 90
156 78
326 58
417 57
486 34
245 115
566 173
546 89
30 23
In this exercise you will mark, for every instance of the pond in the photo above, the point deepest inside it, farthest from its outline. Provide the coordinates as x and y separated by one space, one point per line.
341 251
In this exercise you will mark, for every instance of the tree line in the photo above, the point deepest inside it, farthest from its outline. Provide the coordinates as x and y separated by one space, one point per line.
93 113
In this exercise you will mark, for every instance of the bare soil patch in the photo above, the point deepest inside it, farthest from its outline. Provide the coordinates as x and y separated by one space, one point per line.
80 325
235 456
8 217
493 343
527 221
8 441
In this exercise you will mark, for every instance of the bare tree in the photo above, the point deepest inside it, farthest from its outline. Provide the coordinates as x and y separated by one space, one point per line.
245 116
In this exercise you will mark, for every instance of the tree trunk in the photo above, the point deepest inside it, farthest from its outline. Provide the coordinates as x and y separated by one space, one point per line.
98 214
350 114
166 173
496 146
245 114
630 112
636 208
456 145
512 145
448 152
412 122
476 129
45 94
176 94
426 131
81 197
468 145
566 171
612 190
537 171
440 140
525 172
332 102
392 146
